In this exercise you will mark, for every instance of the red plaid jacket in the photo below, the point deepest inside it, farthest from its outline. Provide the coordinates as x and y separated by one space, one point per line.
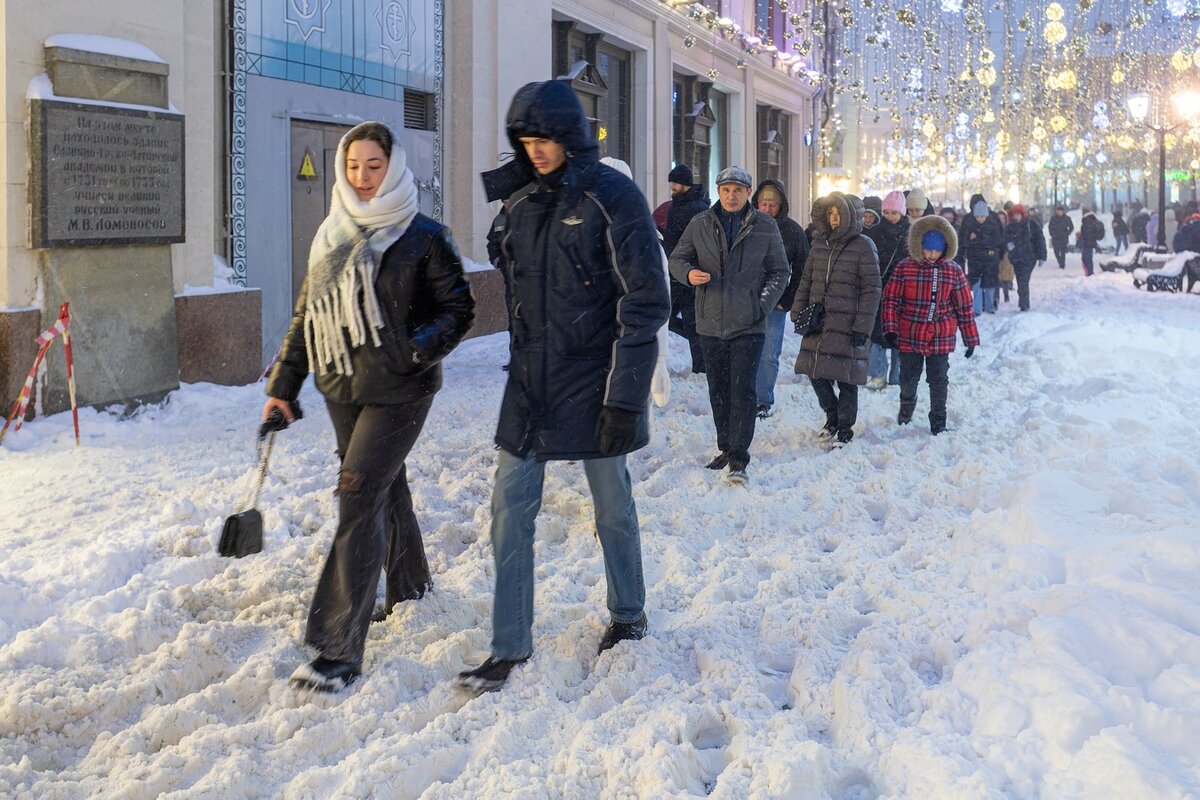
927 320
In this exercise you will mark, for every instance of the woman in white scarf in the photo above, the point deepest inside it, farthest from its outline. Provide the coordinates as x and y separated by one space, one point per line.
383 301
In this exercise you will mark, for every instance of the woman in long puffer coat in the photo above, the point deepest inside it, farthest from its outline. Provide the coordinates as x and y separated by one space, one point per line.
842 273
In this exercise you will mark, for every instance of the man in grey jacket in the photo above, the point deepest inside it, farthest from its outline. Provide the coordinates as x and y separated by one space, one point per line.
733 255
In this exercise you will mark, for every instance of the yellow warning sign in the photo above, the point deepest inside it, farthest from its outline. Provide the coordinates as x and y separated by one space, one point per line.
308 172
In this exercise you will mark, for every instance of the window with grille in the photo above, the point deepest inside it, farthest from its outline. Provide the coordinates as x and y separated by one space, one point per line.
418 110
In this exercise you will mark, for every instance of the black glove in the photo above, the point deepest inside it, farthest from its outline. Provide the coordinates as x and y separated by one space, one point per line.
892 340
278 422
617 430
970 352
858 339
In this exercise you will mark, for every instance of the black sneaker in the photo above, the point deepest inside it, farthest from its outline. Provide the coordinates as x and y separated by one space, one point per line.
488 676
737 475
764 412
719 461
842 439
324 675
828 432
620 631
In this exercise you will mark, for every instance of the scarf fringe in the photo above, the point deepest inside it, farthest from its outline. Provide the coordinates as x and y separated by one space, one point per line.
343 311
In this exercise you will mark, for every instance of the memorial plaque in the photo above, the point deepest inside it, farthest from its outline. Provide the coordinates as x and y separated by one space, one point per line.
105 175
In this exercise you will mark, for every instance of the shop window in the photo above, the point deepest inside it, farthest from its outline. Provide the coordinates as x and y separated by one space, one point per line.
699 132
601 75
773 124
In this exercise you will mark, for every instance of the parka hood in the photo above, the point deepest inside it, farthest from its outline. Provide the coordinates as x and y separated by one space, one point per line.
546 109
550 110
924 225
851 209
784 208
977 198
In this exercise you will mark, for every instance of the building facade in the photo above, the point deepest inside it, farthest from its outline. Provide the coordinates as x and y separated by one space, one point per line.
265 89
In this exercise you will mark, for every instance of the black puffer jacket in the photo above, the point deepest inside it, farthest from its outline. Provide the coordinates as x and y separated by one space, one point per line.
1028 243
843 273
1091 231
795 243
683 210
427 310
891 243
1061 229
982 244
588 292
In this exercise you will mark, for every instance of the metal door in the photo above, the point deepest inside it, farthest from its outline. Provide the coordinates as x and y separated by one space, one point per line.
313 148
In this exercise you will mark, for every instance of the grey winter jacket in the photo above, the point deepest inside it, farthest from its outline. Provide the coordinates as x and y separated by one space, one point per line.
747 279
843 273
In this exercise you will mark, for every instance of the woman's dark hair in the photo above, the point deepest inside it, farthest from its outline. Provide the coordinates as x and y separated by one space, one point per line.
375 132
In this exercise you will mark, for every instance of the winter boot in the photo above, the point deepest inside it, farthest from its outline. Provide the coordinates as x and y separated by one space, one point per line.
488 676
907 407
737 474
719 461
620 631
937 423
324 675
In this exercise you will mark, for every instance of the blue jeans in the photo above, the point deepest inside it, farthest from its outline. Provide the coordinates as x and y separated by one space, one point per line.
877 363
516 499
768 364
985 299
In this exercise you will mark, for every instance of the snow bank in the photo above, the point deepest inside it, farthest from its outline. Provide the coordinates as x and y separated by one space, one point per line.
1007 610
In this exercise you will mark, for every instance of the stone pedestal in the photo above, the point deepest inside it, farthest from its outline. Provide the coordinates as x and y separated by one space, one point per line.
122 324
220 337
18 329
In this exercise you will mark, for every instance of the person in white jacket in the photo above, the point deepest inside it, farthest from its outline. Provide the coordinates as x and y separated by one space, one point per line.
660 384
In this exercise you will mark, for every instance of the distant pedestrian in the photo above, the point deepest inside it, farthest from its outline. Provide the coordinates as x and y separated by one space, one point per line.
1061 226
1026 248
687 201
1091 231
1120 230
926 303
891 244
982 238
771 199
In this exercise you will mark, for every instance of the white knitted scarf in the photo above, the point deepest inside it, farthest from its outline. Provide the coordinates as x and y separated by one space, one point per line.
342 307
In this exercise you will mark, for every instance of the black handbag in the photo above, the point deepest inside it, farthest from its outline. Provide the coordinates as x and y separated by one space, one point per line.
810 319
242 534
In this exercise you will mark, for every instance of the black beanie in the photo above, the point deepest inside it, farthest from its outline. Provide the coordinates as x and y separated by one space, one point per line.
681 174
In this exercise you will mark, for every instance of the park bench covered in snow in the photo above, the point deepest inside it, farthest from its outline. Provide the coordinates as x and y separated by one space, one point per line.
1164 272
1128 260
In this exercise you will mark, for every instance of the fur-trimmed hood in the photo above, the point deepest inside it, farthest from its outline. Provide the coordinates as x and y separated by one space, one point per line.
924 225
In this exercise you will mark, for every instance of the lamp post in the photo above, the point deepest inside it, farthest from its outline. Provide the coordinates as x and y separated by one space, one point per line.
1187 105
1059 161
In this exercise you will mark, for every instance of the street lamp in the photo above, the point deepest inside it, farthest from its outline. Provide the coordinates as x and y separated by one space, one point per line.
1187 105
1059 161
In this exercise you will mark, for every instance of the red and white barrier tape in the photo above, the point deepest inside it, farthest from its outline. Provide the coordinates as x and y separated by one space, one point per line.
61 327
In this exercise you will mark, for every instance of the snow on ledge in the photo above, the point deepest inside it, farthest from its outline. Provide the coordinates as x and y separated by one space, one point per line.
40 88
107 45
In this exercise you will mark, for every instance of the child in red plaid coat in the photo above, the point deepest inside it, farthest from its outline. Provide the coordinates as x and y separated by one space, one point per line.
925 304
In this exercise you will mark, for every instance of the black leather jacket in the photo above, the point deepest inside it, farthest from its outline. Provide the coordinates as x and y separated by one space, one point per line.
427 310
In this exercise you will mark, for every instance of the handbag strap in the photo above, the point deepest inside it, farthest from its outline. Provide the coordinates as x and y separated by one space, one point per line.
264 453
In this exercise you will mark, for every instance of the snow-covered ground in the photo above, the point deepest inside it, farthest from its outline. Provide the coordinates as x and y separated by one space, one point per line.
1008 610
